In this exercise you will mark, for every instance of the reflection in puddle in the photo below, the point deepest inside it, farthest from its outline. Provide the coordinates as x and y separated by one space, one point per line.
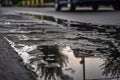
111 66
59 49
50 65
41 17
53 63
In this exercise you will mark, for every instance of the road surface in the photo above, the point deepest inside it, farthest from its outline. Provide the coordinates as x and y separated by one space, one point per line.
11 65
39 43
103 16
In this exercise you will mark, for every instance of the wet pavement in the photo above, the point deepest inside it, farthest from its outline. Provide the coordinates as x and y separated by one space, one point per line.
11 65
57 49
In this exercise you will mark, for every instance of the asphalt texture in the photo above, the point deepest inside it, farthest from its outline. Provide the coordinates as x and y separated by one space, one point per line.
105 15
32 38
11 65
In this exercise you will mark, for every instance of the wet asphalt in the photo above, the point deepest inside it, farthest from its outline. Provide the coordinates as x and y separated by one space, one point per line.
33 44
11 64
105 15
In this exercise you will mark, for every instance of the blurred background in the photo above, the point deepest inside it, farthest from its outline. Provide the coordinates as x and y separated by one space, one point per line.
27 3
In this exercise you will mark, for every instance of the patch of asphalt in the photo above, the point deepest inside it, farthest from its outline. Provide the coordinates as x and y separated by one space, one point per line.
11 65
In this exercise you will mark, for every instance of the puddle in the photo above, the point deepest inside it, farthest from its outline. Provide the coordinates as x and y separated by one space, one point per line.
57 49
63 63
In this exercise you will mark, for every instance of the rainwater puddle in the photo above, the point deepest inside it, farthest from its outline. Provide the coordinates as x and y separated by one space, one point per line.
57 49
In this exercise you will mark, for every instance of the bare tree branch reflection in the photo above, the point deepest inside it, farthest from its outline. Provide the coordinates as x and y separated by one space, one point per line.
111 66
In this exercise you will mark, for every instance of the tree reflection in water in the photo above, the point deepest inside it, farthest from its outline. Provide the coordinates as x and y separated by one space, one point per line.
50 62
111 66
